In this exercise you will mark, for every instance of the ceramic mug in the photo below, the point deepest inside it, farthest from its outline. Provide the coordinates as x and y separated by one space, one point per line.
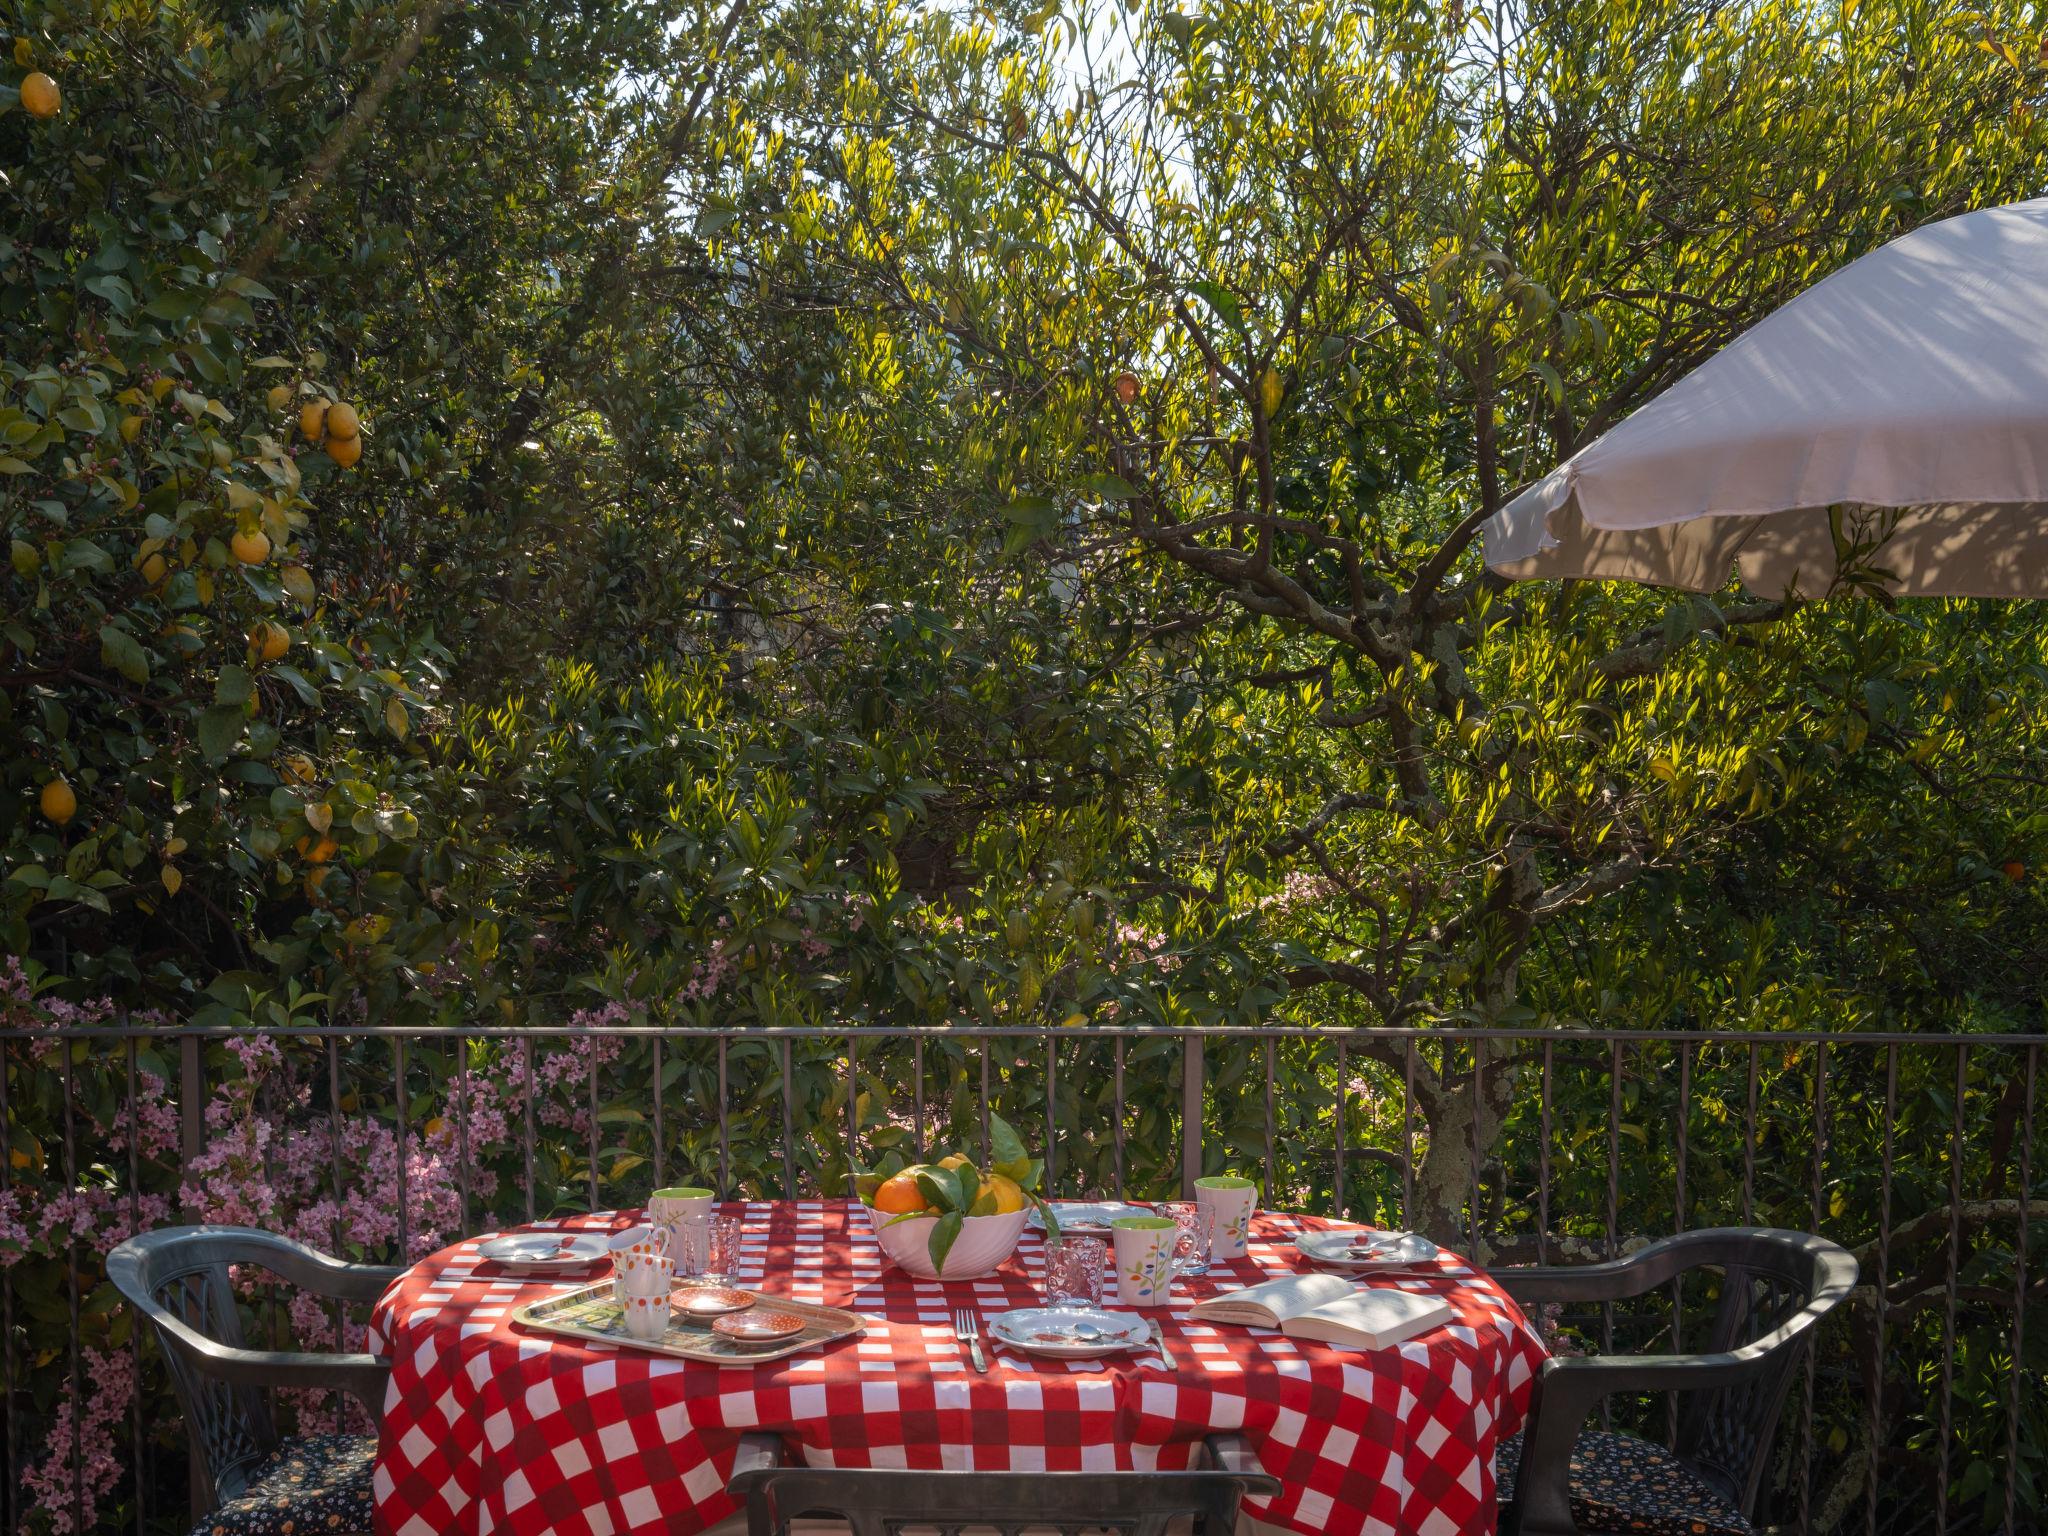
647 1316
641 1262
683 1212
1228 1204
1144 1259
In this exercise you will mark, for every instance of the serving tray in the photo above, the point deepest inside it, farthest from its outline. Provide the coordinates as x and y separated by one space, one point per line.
593 1313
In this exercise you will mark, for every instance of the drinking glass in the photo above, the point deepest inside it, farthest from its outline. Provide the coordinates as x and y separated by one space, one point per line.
721 1237
1191 1244
1073 1271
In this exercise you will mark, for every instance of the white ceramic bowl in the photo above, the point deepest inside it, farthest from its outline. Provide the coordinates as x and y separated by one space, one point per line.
984 1242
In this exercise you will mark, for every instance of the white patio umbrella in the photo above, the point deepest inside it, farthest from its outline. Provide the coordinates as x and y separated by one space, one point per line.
1907 392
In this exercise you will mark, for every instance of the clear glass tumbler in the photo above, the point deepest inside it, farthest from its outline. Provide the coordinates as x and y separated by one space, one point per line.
721 1248
1074 1270
1191 1245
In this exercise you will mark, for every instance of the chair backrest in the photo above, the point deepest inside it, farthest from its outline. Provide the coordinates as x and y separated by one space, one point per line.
1771 1280
890 1503
182 1274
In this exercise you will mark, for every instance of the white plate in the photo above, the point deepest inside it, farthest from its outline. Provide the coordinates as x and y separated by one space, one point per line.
1090 1216
1068 1333
545 1252
1360 1251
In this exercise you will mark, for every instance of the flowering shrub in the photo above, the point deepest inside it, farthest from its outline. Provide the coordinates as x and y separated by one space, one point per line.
276 1156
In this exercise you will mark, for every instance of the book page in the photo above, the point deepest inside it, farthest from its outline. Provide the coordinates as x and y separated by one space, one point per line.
1273 1302
1369 1319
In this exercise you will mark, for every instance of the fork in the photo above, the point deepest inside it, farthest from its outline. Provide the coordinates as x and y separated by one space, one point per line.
967 1329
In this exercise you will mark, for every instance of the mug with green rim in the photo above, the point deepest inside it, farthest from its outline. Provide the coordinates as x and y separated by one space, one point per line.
684 1211
1144 1259
1227 1203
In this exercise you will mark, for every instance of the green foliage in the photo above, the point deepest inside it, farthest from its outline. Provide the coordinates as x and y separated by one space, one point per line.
760 603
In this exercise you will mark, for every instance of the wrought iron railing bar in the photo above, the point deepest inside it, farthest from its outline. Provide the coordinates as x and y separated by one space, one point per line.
1611 1217
1343 1090
1052 1122
1272 1125
1879 1303
1120 1113
853 1098
1407 1130
1820 1152
1948 1300
334 1152
1749 1142
404 1122
986 1047
462 1125
660 1147
139 1447
8 1417
71 1288
2025 1168
590 1057
526 1070
917 1098
788 1122
726 1115
1678 1225
1478 1151
1543 1158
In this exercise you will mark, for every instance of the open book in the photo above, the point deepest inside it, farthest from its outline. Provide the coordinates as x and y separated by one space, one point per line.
1328 1308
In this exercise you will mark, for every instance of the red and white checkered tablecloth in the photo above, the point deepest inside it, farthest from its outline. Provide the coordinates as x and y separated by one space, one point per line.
492 1428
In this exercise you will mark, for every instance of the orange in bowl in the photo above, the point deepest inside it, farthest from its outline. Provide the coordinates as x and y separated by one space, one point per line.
897 1196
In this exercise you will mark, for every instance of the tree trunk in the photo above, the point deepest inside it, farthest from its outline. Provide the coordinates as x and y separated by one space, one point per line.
1444 1177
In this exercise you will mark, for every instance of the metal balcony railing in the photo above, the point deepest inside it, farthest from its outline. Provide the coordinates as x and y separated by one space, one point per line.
1918 1412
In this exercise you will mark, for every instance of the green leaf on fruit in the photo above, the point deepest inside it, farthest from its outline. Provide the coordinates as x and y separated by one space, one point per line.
943 1234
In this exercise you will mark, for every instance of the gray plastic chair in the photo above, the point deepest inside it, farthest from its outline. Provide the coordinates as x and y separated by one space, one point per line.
177 1277
1775 1287
884 1502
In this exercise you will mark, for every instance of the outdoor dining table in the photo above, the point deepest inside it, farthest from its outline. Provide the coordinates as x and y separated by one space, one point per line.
492 1427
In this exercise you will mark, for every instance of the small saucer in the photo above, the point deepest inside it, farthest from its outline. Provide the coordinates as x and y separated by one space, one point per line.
702 1306
762 1329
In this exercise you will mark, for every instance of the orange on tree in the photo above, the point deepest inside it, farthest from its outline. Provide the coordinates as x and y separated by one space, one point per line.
251 548
317 853
342 421
312 419
269 641
1127 387
344 450
59 803
40 96
2014 870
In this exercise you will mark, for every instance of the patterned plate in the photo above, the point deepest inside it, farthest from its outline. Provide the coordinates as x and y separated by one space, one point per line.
1360 1250
758 1326
1069 1333
705 1303
543 1252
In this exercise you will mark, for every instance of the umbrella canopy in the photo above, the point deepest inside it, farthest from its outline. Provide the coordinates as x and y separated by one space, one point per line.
1901 403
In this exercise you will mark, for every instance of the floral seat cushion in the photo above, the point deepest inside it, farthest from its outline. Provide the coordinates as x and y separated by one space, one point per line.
1620 1484
310 1486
